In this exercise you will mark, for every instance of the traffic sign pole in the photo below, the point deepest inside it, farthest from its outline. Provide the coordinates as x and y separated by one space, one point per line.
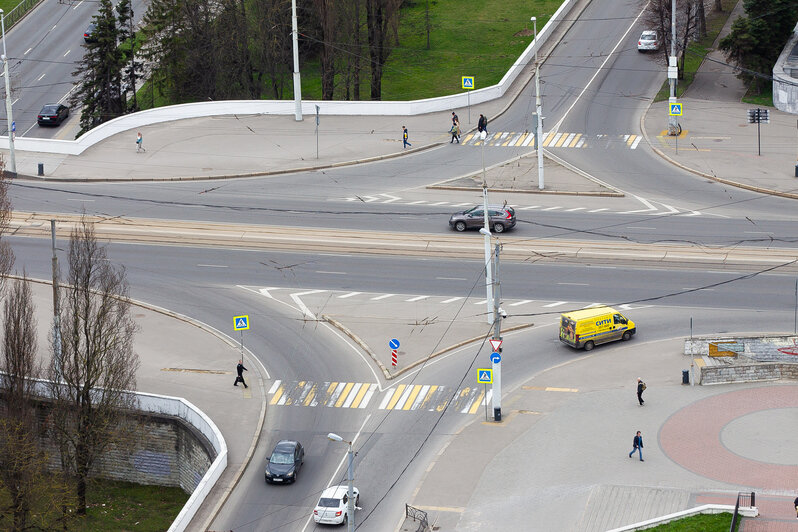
496 360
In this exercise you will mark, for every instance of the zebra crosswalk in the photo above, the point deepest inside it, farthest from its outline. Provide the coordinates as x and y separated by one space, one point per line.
553 139
405 397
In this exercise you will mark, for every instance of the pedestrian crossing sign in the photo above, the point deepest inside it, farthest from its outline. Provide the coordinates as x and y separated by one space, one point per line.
485 376
468 82
241 323
675 109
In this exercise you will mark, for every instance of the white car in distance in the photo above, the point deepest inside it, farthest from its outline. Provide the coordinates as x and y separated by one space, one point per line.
648 41
331 509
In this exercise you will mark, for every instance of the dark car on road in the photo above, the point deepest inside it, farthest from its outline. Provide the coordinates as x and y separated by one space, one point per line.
499 218
52 114
283 465
89 35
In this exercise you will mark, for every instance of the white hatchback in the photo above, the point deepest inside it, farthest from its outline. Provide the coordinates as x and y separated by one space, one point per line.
331 509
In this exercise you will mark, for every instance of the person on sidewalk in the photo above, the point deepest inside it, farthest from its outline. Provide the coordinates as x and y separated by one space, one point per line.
455 131
482 124
455 120
641 387
240 369
139 143
795 502
637 445
405 144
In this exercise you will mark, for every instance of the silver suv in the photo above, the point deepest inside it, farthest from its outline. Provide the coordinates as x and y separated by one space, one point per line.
499 218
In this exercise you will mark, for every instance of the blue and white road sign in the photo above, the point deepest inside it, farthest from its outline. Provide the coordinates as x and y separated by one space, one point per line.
485 376
14 125
675 109
495 358
394 344
468 82
241 323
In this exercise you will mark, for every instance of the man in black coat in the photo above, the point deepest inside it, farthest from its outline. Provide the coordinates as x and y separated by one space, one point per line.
240 369
641 386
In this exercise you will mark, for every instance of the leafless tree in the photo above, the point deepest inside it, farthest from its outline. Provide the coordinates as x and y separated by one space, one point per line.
97 364
658 17
6 254
21 461
382 18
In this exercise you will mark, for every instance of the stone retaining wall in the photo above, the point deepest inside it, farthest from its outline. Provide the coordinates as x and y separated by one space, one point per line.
766 371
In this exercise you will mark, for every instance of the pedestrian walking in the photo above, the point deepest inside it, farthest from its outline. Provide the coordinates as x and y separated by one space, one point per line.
455 120
455 131
795 502
641 387
405 144
637 445
139 143
240 369
482 124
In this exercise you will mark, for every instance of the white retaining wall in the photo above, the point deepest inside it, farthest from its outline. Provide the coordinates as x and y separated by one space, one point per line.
286 107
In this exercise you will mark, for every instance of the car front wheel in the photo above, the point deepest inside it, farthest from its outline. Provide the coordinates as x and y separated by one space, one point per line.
498 228
460 226
626 335
589 346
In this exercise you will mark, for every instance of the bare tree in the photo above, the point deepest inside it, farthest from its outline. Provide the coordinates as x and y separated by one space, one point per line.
381 17
97 364
6 254
327 13
21 460
658 17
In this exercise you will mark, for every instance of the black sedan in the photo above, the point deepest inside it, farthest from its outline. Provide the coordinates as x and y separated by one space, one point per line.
284 463
53 114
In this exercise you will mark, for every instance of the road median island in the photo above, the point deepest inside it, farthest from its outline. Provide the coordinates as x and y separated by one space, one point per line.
443 245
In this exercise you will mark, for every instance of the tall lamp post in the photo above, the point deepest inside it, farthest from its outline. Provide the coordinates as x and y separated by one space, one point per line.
297 82
350 503
12 163
538 108
488 277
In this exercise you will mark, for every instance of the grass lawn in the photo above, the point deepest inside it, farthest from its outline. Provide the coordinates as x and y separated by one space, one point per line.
698 523
696 51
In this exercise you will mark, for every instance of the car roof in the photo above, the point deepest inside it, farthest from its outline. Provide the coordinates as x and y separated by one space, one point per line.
50 105
286 445
335 492
649 32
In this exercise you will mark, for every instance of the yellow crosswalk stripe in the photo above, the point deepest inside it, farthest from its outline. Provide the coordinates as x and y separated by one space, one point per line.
428 397
311 395
576 139
277 394
477 403
412 398
396 395
360 395
344 393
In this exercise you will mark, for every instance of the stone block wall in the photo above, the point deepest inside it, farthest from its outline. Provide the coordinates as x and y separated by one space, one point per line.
768 371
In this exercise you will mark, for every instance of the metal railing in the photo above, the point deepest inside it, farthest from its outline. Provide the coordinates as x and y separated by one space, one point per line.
14 16
746 500
417 515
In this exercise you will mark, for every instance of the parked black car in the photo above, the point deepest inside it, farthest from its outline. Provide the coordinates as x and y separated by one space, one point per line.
52 114
499 218
284 463
88 35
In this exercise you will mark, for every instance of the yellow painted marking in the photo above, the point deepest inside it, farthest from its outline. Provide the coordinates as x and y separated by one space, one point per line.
311 395
562 139
477 403
344 393
548 139
441 509
247 393
521 140
576 139
468 137
631 140
699 362
290 400
396 395
550 389
664 133
428 398
412 398
277 394
360 394
509 138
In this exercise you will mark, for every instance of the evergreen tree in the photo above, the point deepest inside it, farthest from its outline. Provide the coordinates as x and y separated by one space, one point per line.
99 91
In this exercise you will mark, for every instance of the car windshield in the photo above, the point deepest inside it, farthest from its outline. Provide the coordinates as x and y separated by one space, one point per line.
329 503
282 458
649 35
50 109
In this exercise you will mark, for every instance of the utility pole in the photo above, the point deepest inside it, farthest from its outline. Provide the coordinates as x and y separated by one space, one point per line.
12 162
497 328
56 308
486 231
297 82
538 110
673 74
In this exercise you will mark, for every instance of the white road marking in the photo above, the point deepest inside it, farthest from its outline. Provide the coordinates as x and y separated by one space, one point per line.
450 278
575 284
28 50
305 310
417 298
451 300
350 294
555 304
67 53
367 397
331 273
274 387
528 208
552 208
212 266
383 296
639 227
40 77
636 142
438 203
599 210
576 209
352 394
521 302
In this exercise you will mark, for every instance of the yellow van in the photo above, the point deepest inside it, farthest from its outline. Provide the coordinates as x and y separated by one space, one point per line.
595 325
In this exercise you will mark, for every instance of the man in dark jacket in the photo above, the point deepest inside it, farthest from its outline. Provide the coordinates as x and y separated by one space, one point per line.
482 124
240 369
641 386
637 445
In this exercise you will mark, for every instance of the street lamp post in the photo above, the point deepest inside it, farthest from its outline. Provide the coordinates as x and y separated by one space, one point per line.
297 82
538 108
488 277
350 503
12 163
